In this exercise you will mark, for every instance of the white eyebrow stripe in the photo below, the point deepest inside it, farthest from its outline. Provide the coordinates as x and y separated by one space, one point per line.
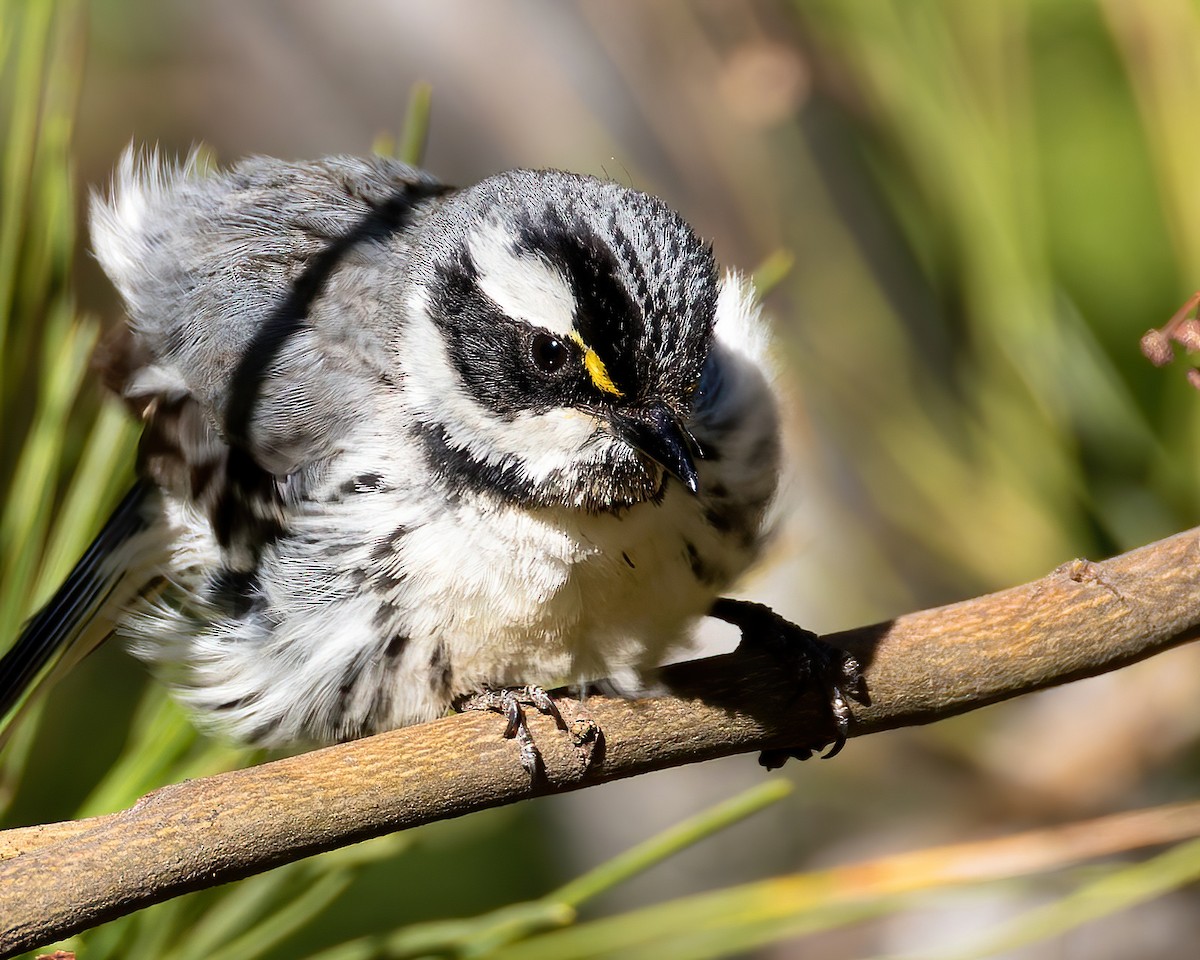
525 288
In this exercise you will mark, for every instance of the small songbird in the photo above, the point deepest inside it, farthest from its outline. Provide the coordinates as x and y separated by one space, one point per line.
406 444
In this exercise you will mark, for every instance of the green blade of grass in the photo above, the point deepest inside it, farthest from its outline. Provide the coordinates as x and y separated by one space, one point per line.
684 834
415 133
1117 890
739 918
33 20
26 511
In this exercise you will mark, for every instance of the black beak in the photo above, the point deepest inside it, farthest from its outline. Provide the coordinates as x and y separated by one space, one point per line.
657 432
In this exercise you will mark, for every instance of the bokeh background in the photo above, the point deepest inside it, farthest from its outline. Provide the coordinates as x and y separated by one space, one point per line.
966 215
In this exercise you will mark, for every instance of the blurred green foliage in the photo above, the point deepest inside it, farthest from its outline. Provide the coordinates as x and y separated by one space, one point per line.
1029 226
65 453
1010 203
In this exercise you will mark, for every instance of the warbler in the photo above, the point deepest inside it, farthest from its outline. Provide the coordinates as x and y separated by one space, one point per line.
404 445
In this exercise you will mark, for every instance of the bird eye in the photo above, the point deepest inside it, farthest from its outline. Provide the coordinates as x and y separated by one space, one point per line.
548 352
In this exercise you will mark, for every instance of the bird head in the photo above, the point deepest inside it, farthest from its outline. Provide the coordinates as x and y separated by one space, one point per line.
559 328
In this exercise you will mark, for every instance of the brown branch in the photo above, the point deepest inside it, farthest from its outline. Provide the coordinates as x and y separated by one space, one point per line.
1083 619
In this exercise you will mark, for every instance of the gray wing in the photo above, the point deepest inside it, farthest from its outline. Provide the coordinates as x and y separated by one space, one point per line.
259 301
257 291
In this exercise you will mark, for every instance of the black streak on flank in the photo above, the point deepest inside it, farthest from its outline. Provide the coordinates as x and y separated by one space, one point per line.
363 483
240 703
262 731
719 520
701 570
694 560
287 319
235 591
384 617
247 510
203 473
440 669
350 680
396 646
386 548
390 579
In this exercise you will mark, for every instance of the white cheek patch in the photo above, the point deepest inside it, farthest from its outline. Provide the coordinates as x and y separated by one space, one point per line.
524 288
543 443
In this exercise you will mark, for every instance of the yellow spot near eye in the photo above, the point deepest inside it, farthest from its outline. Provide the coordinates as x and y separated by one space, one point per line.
599 373
595 368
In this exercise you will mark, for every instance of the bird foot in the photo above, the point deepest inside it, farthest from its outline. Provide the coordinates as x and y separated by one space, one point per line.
511 703
834 671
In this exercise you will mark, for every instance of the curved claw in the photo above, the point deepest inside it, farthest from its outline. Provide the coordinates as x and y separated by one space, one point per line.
835 671
509 702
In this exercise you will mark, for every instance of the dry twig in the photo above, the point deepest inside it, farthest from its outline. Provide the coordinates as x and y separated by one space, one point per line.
1083 619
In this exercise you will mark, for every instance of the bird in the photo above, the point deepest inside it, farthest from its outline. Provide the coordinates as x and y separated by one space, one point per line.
407 447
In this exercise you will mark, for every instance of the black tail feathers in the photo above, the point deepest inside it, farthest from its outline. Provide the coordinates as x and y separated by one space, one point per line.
85 590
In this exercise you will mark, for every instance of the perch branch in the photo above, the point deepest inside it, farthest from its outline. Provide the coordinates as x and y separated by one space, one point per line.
1083 619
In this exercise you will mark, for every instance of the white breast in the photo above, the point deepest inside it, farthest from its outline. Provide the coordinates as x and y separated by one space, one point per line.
547 596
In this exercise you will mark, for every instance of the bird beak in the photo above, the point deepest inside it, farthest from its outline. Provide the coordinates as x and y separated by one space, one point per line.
657 432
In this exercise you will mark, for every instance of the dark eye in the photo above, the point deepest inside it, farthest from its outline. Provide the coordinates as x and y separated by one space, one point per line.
549 354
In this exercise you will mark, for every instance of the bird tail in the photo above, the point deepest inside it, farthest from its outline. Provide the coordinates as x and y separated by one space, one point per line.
82 613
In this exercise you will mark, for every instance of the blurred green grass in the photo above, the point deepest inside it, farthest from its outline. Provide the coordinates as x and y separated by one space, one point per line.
1010 205
1018 422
